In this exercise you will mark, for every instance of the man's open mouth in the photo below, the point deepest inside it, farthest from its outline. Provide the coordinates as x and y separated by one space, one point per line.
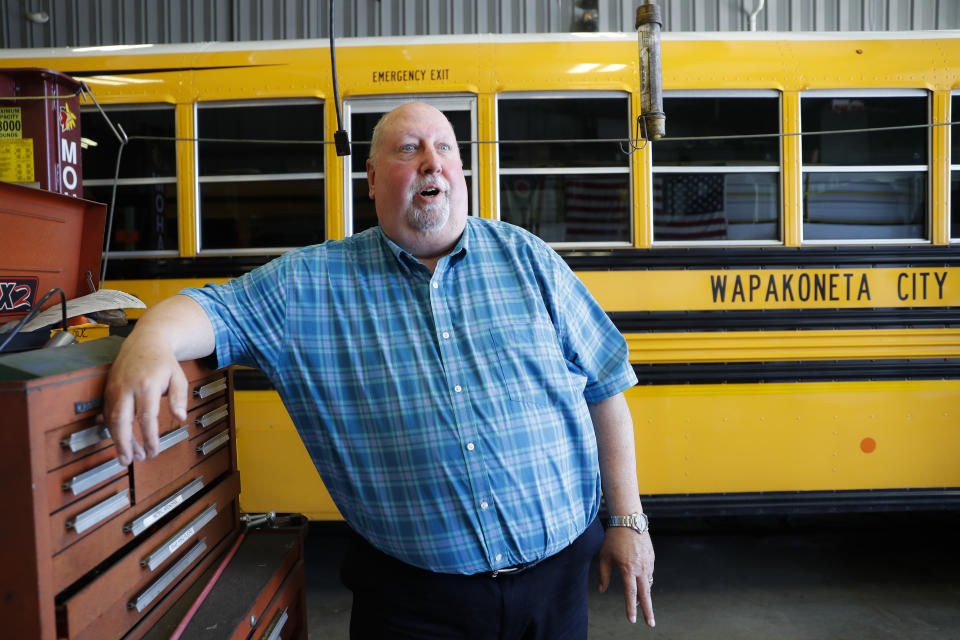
429 193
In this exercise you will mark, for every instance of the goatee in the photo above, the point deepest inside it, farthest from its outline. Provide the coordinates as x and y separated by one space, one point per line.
429 217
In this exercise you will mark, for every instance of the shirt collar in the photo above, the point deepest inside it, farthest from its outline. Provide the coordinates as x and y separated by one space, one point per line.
408 261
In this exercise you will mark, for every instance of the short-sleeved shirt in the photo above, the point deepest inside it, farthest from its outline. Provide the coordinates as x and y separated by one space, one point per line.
446 412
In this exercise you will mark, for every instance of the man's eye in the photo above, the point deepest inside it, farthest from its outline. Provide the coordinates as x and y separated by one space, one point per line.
444 147
407 147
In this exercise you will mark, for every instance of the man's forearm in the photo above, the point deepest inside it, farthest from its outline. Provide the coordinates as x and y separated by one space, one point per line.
618 462
181 324
631 555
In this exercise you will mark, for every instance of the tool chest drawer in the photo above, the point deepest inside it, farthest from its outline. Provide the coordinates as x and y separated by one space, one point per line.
87 551
116 598
91 547
181 449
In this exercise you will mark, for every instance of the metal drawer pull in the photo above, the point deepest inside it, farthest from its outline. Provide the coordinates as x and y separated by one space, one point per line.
276 626
179 538
208 419
148 596
139 525
100 512
210 388
215 442
86 438
92 478
173 438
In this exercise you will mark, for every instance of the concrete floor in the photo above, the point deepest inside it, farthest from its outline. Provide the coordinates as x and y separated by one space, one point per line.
871 576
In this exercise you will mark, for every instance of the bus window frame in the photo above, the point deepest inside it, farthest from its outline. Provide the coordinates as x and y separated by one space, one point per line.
779 168
627 170
266 177
134 182
384 103
879 168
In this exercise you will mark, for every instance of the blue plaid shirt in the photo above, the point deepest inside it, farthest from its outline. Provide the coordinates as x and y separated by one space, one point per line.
446 412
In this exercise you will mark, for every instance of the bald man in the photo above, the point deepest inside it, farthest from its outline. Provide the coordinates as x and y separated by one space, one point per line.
458 389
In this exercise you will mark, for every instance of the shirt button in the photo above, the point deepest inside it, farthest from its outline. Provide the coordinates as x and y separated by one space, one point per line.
436 285
498 557
458 388
484 505
471 446
445 335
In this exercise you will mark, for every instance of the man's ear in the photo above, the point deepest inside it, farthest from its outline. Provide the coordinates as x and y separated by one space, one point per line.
371 172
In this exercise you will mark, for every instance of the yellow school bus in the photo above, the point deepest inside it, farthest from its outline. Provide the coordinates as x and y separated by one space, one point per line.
784 263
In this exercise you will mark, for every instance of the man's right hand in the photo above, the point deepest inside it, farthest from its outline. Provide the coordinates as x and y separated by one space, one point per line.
148 367
143 372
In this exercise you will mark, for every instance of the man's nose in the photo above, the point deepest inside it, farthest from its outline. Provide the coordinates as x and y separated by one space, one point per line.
430 162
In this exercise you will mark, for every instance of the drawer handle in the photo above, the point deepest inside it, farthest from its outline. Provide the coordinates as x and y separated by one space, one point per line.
210 388
276 626
172 438
217 414
214 443
100 512
139 525
86 438
155 589
179 538
79 484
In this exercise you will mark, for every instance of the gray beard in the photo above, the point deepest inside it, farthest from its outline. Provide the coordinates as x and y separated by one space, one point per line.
429 218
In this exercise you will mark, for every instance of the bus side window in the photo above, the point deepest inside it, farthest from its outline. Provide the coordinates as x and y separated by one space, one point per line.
145 212
870 185
718 189
562 173
954 170
261 175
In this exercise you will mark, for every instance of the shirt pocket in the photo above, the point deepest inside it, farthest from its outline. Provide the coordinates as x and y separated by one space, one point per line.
530 364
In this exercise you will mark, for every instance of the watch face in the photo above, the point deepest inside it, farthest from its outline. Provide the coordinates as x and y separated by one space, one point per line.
639 522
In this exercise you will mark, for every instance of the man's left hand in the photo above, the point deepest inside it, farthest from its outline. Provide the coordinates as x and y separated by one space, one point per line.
632 555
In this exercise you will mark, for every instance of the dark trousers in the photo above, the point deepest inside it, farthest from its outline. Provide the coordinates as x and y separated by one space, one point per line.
394 600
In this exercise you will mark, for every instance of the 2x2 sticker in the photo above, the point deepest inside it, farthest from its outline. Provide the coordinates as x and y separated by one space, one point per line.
17 294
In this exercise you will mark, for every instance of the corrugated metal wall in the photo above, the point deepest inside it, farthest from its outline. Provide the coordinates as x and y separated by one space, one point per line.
79 23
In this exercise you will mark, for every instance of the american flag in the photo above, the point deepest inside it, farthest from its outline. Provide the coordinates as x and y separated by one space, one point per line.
688 207
597 208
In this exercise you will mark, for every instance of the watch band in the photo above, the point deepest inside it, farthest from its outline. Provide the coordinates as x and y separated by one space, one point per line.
639 522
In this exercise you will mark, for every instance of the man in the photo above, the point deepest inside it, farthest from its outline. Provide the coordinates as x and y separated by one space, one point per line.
457 388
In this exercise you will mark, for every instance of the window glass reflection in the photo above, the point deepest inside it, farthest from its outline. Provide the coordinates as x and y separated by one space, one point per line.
881 205
141 158
145 216
261 195
145 212
954 130
707 200
955 204
955 173
692 207
568 208
275 213
707 117
564 174
552 120
242 127
903 146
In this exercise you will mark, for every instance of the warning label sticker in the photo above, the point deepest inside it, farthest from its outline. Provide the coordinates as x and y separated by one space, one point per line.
11 125
16 160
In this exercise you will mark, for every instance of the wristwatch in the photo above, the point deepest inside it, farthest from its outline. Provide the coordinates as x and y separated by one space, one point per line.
636 521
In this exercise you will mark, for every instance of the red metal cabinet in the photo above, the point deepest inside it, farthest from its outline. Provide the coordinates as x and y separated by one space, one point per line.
90 548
